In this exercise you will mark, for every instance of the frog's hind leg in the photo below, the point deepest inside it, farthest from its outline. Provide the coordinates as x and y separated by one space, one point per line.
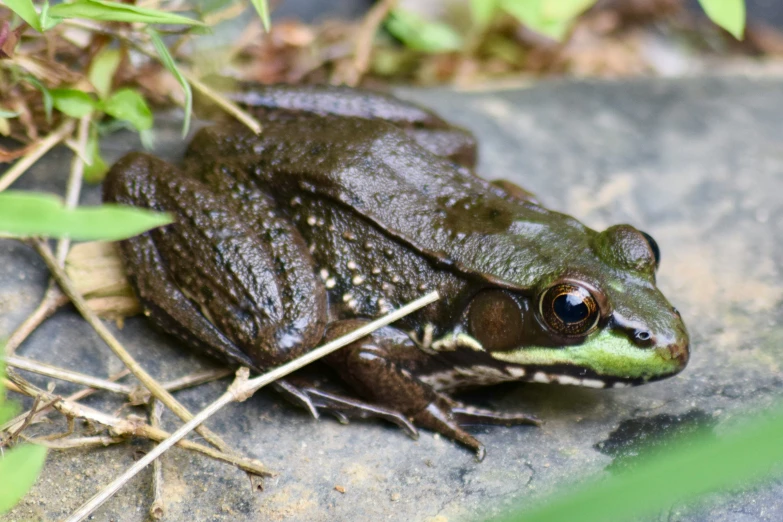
381 367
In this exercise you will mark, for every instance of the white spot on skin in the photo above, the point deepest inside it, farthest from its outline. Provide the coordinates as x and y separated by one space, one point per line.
541 377
567 379
422 287
352 303
375 270
351 265
357 279
385 287
367 245
324 274
515 372
593 383
311 221
348 236
330 283
395 279
347 297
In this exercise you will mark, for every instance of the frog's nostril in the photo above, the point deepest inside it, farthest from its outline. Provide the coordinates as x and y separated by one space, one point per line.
642 335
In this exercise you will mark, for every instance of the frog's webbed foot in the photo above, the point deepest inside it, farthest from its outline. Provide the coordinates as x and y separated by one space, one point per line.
341 407
447 416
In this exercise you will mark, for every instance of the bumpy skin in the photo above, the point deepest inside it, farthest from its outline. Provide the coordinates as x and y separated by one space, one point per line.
350 204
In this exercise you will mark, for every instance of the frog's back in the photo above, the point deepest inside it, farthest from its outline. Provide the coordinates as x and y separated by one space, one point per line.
375 170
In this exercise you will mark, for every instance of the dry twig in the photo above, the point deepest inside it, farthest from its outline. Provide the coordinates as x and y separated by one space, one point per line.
241 390
146 379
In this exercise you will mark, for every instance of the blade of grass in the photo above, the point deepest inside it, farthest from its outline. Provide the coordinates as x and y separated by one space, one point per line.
686 469
26 214
26 11
104 11
168 62
262 8
729 14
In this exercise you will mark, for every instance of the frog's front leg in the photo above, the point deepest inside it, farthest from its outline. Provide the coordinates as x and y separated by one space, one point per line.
369 365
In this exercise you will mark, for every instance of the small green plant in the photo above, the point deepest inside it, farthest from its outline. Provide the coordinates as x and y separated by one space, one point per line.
552 18
19 465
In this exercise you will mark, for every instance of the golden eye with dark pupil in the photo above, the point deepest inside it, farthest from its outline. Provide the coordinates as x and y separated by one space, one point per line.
569 309
495 319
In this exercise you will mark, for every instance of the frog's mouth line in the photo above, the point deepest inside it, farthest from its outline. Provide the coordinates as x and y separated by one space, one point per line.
463 376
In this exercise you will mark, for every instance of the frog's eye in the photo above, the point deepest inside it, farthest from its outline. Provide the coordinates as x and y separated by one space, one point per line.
654 247
569 309
495 319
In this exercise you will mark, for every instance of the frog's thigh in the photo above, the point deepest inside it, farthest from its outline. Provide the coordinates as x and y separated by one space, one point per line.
224 271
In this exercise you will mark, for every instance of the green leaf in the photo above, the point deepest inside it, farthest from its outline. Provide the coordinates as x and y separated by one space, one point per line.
685 469
129 105
531 13
26 11
422 35
47 96
96 170
483 11
73 102
729 14
105 11
47 22
563 10
168 62
8 114
102 70
29 214
19 469
262 8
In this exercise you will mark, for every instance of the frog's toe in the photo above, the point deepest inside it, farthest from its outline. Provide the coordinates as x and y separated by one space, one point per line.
296 396
342 408
438 416
469 415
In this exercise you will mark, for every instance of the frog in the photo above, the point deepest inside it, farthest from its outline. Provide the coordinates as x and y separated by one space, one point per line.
351 203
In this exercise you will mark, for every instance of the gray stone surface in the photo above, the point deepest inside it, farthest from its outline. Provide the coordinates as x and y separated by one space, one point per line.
697 163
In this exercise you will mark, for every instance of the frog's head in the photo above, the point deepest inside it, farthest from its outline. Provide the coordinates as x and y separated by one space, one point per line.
597 320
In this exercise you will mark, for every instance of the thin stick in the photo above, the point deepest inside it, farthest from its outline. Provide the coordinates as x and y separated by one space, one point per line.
363 45
43 146
52 300
132 428
241 390
13 423
48 370
74 186
77 442
225 104
158 508
146 379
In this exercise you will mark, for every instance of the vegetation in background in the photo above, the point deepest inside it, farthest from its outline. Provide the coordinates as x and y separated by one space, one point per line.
673 474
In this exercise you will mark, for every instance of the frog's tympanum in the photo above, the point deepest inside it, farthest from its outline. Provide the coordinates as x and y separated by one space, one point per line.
349 204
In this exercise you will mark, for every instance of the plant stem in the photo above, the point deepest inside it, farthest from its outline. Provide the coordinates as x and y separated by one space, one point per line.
43 146
22 363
